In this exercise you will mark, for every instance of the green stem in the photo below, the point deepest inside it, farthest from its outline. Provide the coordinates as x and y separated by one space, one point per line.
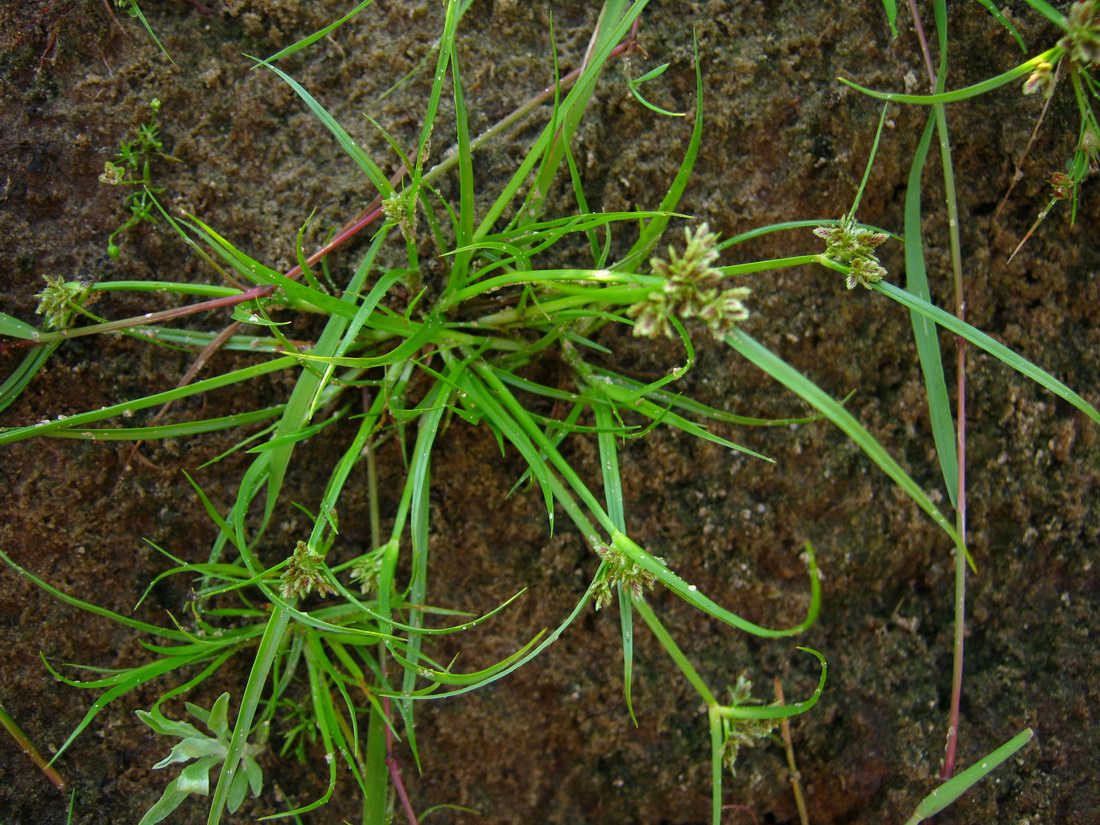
250 701
1051 56
940 114
148 318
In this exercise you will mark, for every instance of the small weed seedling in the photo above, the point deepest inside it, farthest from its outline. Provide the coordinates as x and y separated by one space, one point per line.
132 167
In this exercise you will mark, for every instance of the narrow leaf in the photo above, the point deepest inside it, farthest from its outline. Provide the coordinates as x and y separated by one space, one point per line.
802 386
949 791
994 348
924 331
15 328
309 40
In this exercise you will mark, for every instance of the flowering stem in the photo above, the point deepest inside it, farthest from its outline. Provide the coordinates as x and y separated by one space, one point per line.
937 82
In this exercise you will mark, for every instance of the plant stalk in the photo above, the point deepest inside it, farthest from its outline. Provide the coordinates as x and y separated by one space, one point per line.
960 420
27 746
395 769
937 83
792 765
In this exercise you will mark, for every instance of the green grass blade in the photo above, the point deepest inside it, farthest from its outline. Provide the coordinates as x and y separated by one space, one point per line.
689 405
14 328
166 288
692 595
561 429
135 11
870 165
377 779
194 339
991 7
344 726
446 46
298 435
368 426
653 74
258 273
134 679
799 384
994 348
663 415
924 331
784 226
304 398
420 334
781 711
547 640
28 368
1049 56
613 497
205 425
420 480
536 459
626 629
61 595
891 9
664 638
576 99
609 464
502 419
1049 12
611 27
653 229
321 702
480 677
949 791
353 600
309 40
466 193
250 701
211 511
376 176
582 204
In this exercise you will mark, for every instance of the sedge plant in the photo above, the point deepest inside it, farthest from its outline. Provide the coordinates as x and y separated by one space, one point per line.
341 640
1076 54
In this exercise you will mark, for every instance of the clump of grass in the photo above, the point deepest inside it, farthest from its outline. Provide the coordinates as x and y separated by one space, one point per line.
1076 52
341 637
1074 55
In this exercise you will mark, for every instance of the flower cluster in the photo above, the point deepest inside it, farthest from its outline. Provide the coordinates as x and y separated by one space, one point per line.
1081 42
367 570
59 300
1082 38
743 733
621 570
849 244
305 574
396 210
1042 79
690 290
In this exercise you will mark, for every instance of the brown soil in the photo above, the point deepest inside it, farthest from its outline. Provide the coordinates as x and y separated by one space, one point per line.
553 742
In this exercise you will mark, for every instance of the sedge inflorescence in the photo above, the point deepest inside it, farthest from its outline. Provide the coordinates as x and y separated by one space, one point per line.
690 290
850 244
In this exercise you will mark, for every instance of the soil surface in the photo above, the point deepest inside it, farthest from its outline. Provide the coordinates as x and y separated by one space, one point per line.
553 743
